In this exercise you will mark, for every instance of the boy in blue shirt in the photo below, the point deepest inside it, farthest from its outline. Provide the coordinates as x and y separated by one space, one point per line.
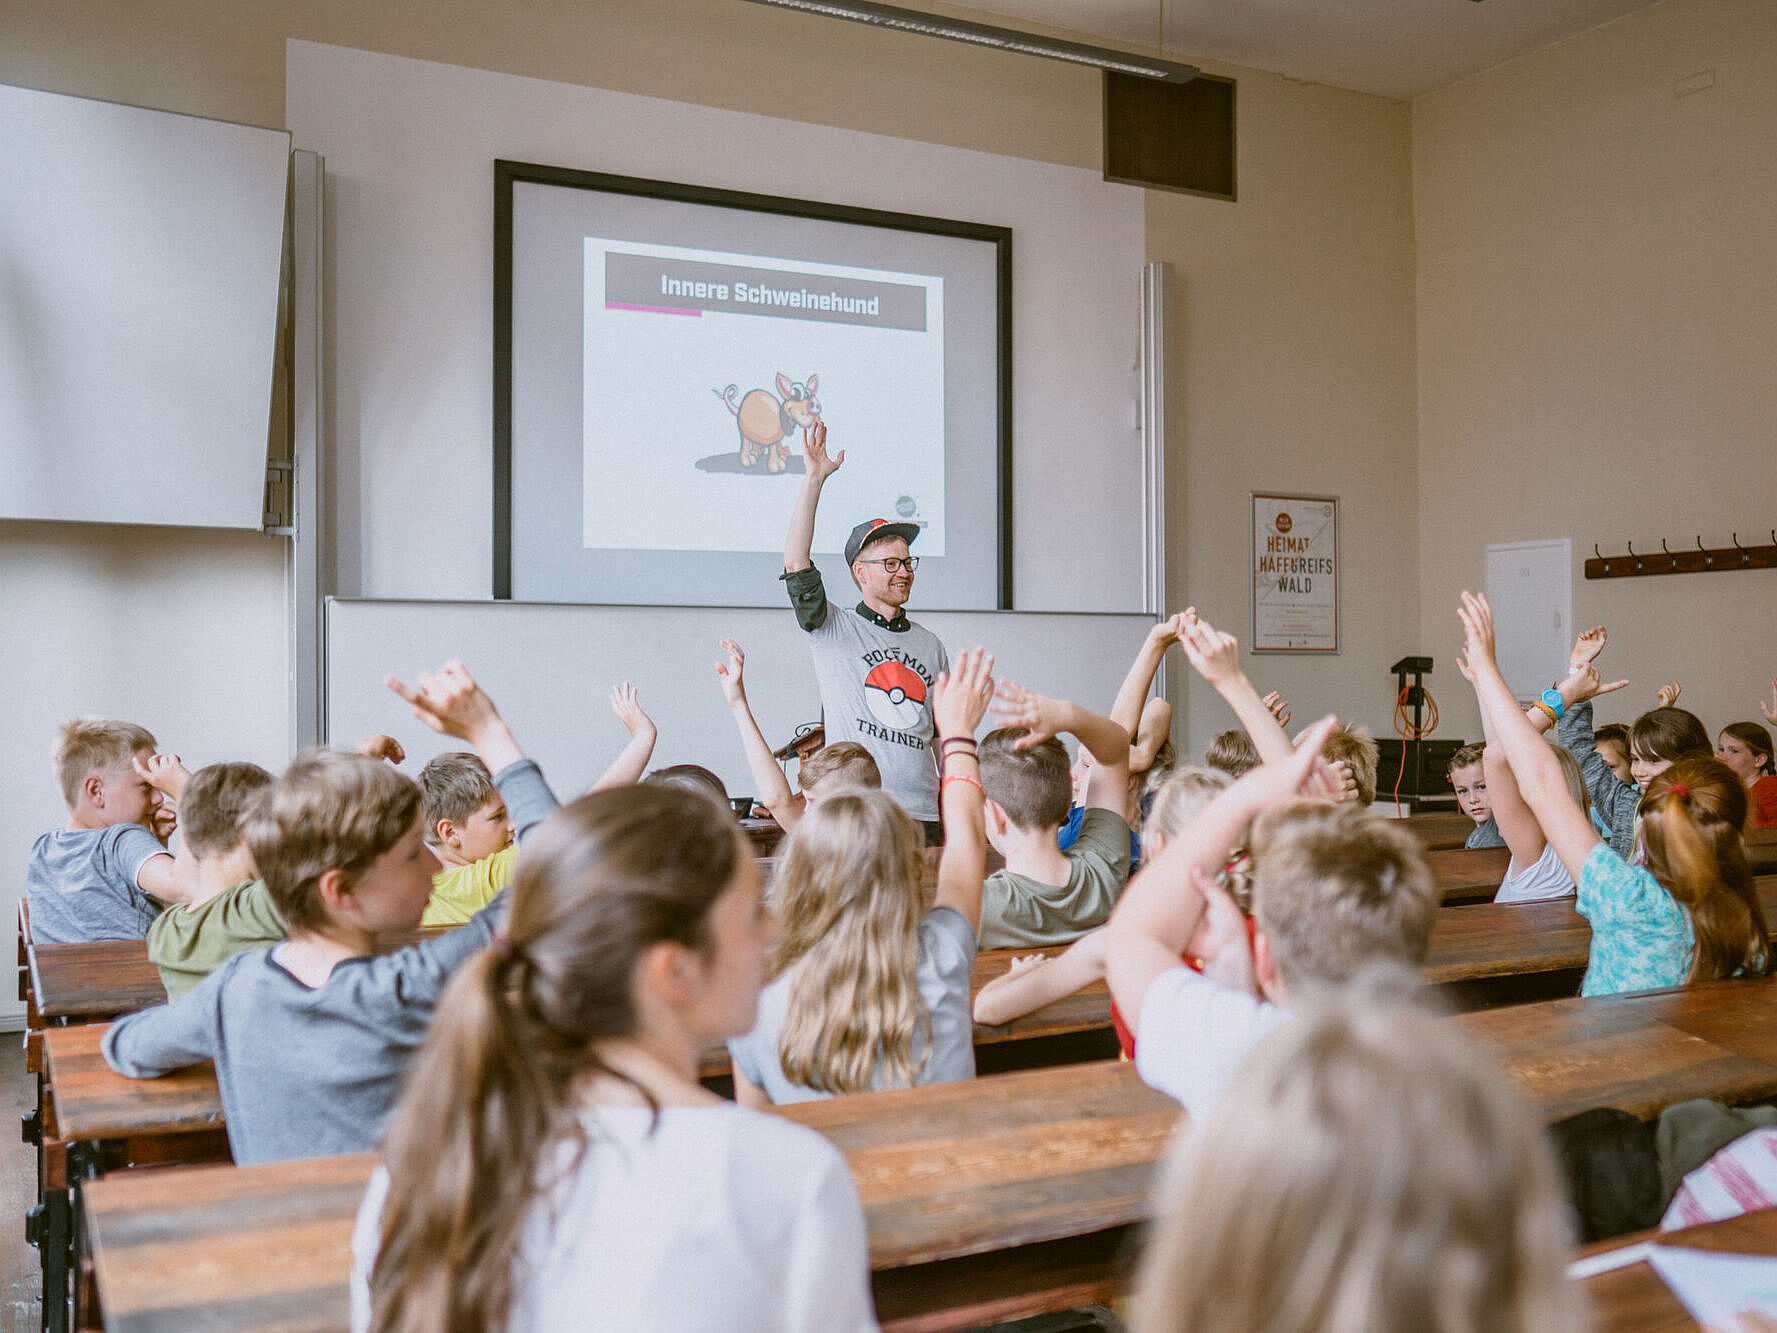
106 875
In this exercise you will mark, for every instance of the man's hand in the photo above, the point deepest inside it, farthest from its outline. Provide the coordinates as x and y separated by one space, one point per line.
1040 716
1278 707
1668 694
1586 648
380 746
629 712
450 702
164 772
815 460
731 673
963 694
1214 655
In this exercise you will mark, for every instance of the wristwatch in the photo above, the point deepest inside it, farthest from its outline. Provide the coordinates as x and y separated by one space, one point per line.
1556 704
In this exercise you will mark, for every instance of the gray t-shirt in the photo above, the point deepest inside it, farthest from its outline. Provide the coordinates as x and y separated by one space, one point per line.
1017 911
876 681
313 1071
946 958
81 884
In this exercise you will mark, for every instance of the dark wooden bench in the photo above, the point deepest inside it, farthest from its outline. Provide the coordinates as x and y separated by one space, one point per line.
1632 1299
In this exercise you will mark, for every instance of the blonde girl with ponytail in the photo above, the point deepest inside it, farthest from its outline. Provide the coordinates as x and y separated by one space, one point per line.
1691 913
870 983
554 1162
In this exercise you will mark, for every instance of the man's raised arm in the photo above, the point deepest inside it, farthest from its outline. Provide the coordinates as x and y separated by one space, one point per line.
817 467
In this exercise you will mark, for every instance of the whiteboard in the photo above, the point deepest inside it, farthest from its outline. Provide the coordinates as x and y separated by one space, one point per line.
140 261
550 669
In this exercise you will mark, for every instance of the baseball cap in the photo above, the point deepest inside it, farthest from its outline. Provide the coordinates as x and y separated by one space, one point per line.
877 529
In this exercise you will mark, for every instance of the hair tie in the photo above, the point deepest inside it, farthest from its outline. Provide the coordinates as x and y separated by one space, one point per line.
1679 790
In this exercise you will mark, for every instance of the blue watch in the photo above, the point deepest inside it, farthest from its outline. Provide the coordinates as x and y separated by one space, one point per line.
1556 704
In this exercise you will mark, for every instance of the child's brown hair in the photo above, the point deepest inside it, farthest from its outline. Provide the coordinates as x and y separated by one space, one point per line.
1233 752
1671 734
1032 786
1353 746
1467 757
846 760
453 786
88 745
1337 888
216 803
1691 817
330 811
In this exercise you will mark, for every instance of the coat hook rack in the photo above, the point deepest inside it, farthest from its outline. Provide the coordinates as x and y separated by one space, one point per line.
1703 560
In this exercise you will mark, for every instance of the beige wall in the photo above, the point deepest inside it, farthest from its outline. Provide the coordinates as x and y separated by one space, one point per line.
1597 283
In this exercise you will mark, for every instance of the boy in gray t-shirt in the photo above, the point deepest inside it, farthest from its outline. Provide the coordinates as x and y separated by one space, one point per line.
104 876
876 668
310 1036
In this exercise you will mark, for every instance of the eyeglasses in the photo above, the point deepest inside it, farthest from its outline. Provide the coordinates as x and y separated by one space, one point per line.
894 564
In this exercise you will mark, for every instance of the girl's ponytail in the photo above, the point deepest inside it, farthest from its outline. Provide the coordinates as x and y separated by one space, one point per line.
1691 820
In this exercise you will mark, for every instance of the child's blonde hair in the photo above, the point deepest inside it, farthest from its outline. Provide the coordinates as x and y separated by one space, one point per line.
1177 800
1233 752
849 894
330 811
1337 889
1368 1171
846 760
88 745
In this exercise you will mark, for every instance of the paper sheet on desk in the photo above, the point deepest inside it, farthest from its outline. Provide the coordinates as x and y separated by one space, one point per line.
1715 1287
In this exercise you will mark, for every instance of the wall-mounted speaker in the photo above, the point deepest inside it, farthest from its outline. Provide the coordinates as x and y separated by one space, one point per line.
1170 136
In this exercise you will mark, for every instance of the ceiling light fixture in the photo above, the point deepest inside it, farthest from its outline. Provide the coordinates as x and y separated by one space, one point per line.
983 34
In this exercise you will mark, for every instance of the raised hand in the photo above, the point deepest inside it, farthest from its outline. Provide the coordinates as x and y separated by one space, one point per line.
1278 707
732 673
1771 711
814 452
380 746
1583 683
164 772
963 694
1587 647
1476 614
629 712
1213 654
1668 694
449 701
1015 706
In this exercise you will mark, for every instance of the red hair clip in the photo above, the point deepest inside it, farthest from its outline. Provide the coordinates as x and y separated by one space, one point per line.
1679 790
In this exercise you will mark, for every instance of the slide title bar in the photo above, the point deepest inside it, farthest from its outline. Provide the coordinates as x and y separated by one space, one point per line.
680 286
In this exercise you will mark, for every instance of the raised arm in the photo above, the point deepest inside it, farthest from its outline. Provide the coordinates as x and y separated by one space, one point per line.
1107 786
817 467
450 702
962 696
1162 906
1537 770
769 780
1517 824
1126 712
632 760
1216 657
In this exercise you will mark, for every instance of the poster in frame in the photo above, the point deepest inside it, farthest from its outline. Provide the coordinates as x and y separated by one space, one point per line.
1295 573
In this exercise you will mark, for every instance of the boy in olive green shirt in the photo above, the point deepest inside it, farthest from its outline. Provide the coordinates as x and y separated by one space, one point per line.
229 910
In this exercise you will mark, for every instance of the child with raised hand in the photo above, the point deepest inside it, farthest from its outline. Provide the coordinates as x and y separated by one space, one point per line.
1335 890
1215 656
1045 895
1368 1169
1691 914
229 910
470 831
554 1163
105 875
1468 779
1745 747
869 990
1036 980
845 764
310 1036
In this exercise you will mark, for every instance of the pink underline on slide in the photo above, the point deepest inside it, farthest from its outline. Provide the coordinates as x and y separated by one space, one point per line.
652 309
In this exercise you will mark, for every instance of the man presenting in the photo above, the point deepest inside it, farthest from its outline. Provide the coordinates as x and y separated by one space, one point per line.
875 667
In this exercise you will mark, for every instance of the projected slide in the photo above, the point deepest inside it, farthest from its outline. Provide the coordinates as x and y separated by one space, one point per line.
701 371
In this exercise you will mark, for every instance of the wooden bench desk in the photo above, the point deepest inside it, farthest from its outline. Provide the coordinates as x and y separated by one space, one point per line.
77 983
1441 830
1632 1299
1469 877
983 1201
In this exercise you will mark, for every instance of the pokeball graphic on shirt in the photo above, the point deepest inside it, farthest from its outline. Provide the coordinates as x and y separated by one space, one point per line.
896 694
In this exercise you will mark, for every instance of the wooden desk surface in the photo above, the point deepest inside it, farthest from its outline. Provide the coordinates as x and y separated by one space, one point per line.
1631 1299
1469 877
943 1172
97 980
91 1102
1440 830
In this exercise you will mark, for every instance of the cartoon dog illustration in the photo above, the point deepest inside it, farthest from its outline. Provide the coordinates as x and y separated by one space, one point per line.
766 423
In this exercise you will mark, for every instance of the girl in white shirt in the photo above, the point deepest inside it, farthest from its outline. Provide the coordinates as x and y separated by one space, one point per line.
554 1161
